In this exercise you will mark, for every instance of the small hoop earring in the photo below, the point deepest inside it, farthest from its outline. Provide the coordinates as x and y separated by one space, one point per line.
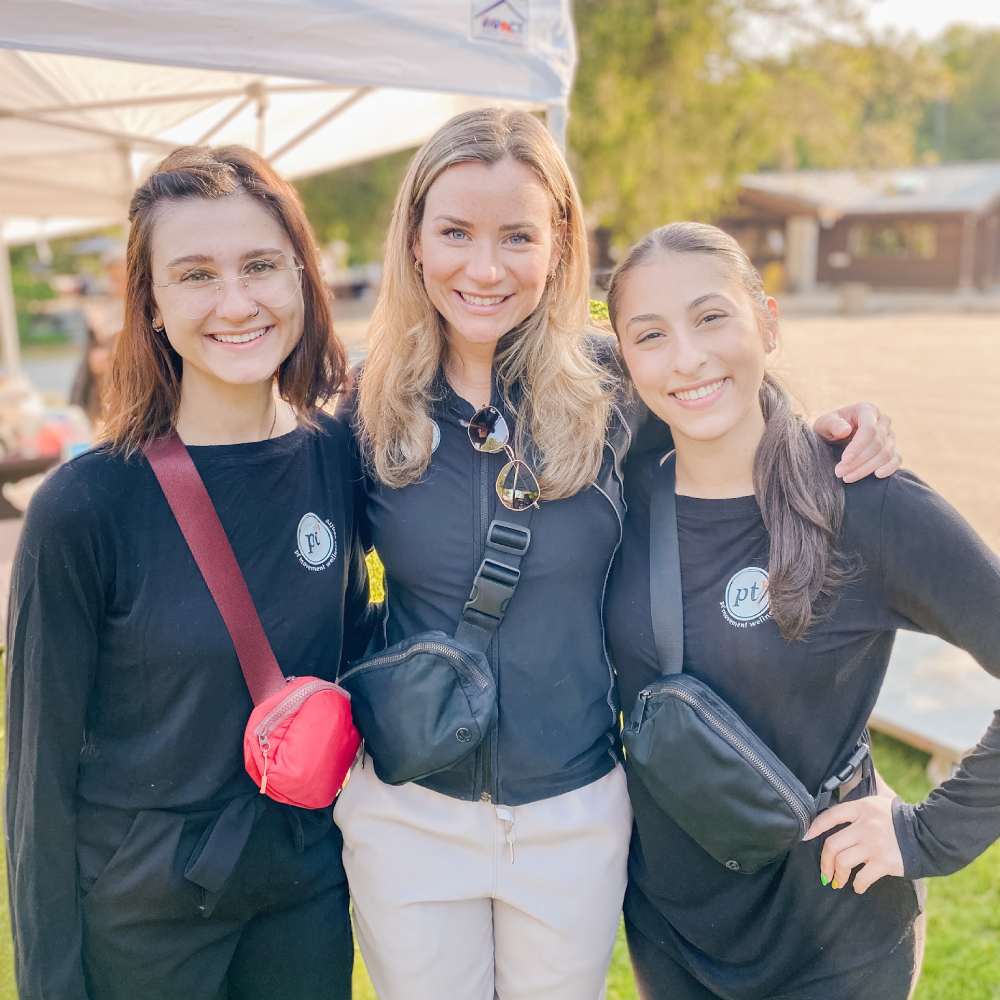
158 329
418 265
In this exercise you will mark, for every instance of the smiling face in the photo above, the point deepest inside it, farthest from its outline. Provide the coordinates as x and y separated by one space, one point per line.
486 247
694 343
237 340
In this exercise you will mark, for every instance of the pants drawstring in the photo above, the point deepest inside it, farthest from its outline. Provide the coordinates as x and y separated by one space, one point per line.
506 816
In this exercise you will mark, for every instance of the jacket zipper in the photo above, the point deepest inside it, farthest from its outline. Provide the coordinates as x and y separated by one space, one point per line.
734 739
486 775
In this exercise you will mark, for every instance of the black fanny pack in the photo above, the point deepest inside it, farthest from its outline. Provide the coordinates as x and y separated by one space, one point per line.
694 754
427 702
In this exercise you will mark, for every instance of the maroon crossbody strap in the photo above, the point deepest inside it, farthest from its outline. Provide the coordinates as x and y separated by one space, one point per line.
199 523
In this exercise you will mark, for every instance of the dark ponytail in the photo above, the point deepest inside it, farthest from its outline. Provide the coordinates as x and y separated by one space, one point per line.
802 504
800 498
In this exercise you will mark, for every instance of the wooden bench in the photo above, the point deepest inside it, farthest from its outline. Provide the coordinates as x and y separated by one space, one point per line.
935 698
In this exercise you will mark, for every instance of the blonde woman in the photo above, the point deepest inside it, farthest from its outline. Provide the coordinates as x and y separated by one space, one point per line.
503 874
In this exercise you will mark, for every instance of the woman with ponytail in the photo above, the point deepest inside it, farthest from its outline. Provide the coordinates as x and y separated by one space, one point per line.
792 587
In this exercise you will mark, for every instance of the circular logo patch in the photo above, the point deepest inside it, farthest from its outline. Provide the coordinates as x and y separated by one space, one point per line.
435 436
746 600
317 542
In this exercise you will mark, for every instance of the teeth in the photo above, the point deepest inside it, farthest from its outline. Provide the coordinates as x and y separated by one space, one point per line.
239 338
482 300
701 392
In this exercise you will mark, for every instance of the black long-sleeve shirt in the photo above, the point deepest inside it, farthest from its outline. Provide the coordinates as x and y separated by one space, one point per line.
123 688
922 568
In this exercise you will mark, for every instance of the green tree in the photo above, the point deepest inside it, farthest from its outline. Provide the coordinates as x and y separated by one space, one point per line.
665 112
355 203
966 125
675 99
858 104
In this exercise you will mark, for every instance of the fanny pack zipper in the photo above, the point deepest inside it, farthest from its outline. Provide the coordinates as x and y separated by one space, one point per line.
285 707
732 737
437 648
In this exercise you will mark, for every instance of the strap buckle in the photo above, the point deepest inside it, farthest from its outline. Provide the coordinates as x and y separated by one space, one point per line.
849 769
507 537
494 587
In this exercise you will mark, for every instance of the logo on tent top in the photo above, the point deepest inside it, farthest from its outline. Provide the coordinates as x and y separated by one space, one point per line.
501 21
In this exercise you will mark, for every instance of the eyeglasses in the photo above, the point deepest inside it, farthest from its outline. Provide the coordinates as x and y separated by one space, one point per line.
517 487
271 282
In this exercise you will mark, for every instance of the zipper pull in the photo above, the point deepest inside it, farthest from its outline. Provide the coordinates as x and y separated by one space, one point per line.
264 747
639 712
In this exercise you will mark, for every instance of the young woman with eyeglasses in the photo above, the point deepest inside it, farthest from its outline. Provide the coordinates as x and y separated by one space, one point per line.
792 588
142 860
501 875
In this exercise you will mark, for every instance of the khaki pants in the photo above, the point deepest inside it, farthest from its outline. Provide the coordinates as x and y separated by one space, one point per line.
462 900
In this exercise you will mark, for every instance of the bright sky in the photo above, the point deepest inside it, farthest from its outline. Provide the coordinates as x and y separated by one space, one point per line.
928 17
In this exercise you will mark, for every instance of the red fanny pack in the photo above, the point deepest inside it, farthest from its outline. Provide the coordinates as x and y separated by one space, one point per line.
300 740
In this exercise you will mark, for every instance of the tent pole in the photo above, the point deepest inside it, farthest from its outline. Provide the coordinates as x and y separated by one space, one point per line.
257 92
138 140
128 181
10 345
556 117
348 102
222 122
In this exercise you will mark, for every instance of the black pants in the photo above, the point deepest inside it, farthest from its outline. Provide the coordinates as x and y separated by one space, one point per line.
660 975
279 930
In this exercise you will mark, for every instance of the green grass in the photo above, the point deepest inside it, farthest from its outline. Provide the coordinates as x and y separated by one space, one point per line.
963 947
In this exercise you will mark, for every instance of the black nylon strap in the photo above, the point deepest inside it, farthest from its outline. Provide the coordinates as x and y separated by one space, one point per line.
667 610
666 598
507 540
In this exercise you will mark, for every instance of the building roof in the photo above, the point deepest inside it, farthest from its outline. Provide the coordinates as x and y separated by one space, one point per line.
951 187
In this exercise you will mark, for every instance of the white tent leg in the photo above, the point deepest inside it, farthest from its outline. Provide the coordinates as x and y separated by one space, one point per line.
10 345
556 118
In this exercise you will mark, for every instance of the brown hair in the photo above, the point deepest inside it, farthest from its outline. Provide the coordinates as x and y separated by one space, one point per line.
801 500
144 385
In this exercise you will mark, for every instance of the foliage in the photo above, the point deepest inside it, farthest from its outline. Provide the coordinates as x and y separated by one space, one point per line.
664 111
966 126
599 311
29 290
842 104
675 100
355 203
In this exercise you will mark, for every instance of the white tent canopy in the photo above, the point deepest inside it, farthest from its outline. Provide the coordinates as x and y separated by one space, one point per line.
92 92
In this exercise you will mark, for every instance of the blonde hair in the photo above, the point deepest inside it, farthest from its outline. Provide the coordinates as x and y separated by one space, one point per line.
561 404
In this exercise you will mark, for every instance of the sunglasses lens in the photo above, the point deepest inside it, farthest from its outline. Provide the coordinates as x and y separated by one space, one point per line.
488 430
517 486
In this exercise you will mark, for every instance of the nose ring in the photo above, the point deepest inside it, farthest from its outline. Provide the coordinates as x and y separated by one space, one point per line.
257 313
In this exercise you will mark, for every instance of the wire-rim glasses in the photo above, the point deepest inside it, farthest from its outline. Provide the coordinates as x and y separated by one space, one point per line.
517 486
271 281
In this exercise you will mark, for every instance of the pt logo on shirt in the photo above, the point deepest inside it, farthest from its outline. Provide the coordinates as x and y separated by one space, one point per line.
317 541
746 601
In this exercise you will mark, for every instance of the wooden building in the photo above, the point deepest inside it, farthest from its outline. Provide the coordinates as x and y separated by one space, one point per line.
915 227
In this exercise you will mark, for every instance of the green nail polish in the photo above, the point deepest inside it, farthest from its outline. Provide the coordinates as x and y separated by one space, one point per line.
823 879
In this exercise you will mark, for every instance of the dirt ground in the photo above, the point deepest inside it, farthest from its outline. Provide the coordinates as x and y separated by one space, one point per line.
938 377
